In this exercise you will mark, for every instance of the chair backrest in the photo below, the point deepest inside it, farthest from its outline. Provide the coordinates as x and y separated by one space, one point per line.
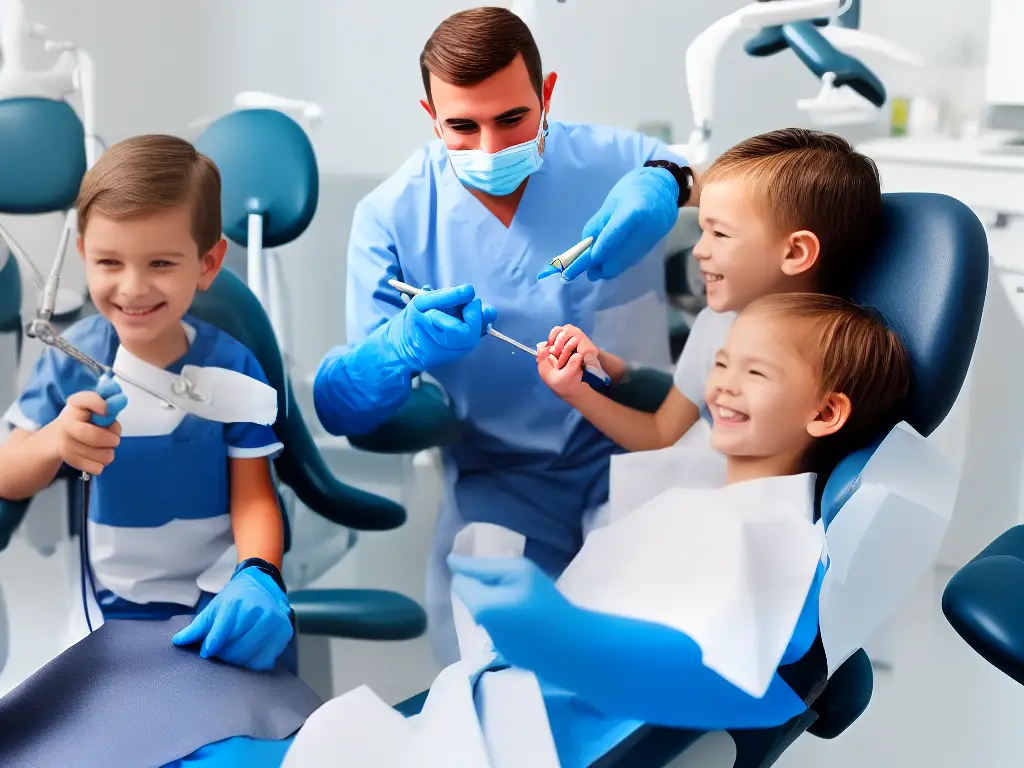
267 166
233 308
42 156
928 277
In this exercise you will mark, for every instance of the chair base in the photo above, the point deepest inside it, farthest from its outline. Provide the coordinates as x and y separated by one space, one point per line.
315 666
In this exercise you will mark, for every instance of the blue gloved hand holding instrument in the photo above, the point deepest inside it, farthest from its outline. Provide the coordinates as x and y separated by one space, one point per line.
593 373
640 210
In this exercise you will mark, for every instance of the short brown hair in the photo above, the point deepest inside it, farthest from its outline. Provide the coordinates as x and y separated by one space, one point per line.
146 173
471 46
853 352
816 181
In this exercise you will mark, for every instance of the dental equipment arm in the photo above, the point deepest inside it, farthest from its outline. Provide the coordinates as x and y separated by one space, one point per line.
623 667
702 59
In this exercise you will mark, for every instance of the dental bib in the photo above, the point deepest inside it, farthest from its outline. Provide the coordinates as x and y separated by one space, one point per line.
209 392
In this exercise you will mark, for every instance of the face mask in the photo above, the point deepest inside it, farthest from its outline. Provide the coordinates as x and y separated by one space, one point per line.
501 173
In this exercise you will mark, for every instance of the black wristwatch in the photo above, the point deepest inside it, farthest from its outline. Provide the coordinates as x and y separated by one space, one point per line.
263 565
682 174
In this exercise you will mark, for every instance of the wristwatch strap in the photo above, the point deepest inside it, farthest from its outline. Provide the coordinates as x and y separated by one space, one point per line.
267 567
682 174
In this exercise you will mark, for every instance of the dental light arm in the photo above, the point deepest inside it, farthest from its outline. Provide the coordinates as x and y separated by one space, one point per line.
702 57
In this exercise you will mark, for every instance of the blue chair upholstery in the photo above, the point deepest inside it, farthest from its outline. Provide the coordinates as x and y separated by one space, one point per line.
42 155
268 167
936 245
984 602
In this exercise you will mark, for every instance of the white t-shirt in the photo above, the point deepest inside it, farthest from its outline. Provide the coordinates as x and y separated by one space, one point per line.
698 358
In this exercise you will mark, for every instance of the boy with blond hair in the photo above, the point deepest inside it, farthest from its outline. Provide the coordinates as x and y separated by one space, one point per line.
183 516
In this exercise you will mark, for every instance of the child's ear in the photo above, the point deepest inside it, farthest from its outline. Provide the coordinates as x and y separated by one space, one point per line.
804 249
212 261
80 242
832 415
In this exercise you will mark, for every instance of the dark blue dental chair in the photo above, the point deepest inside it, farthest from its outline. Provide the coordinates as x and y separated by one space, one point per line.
927 276
268 167
285 193
984 602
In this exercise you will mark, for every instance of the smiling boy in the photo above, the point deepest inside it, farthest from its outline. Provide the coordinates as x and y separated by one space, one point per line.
183 514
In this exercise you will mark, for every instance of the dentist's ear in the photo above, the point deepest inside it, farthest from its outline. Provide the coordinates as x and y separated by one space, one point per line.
832 416
433 117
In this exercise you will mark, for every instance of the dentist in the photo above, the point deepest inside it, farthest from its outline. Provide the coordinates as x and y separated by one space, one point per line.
478 215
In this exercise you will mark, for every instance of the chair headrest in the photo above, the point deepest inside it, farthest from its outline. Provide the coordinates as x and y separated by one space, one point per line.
267 166
927 277
42 155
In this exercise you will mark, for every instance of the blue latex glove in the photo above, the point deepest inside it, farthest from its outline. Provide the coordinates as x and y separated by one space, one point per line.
512 599
247 624
439 326
623 667
115 399
357 389
640 210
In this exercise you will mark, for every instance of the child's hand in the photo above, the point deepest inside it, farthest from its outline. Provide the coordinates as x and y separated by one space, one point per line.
80 439
565 381
564 340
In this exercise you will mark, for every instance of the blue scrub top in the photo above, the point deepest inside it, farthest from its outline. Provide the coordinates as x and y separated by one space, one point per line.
528 461
159 513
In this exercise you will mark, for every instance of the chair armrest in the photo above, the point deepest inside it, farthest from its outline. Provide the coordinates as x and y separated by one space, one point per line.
303 469
361 614
845 697
424 421
11 515
984 602
645 389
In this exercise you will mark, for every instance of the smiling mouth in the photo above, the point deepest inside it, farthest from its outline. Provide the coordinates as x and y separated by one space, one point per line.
729 416
136 312
710 277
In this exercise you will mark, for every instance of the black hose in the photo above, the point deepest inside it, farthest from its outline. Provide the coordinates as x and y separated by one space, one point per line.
83 542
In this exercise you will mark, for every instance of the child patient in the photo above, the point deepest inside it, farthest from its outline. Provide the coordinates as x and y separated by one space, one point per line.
800 381
173 495
790 210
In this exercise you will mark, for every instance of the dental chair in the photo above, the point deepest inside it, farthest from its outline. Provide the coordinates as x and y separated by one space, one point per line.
936 245
282 190
270 188
984 602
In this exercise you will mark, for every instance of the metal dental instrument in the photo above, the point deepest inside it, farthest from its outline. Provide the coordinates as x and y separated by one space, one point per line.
561 263
408 290
41 328
592 369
